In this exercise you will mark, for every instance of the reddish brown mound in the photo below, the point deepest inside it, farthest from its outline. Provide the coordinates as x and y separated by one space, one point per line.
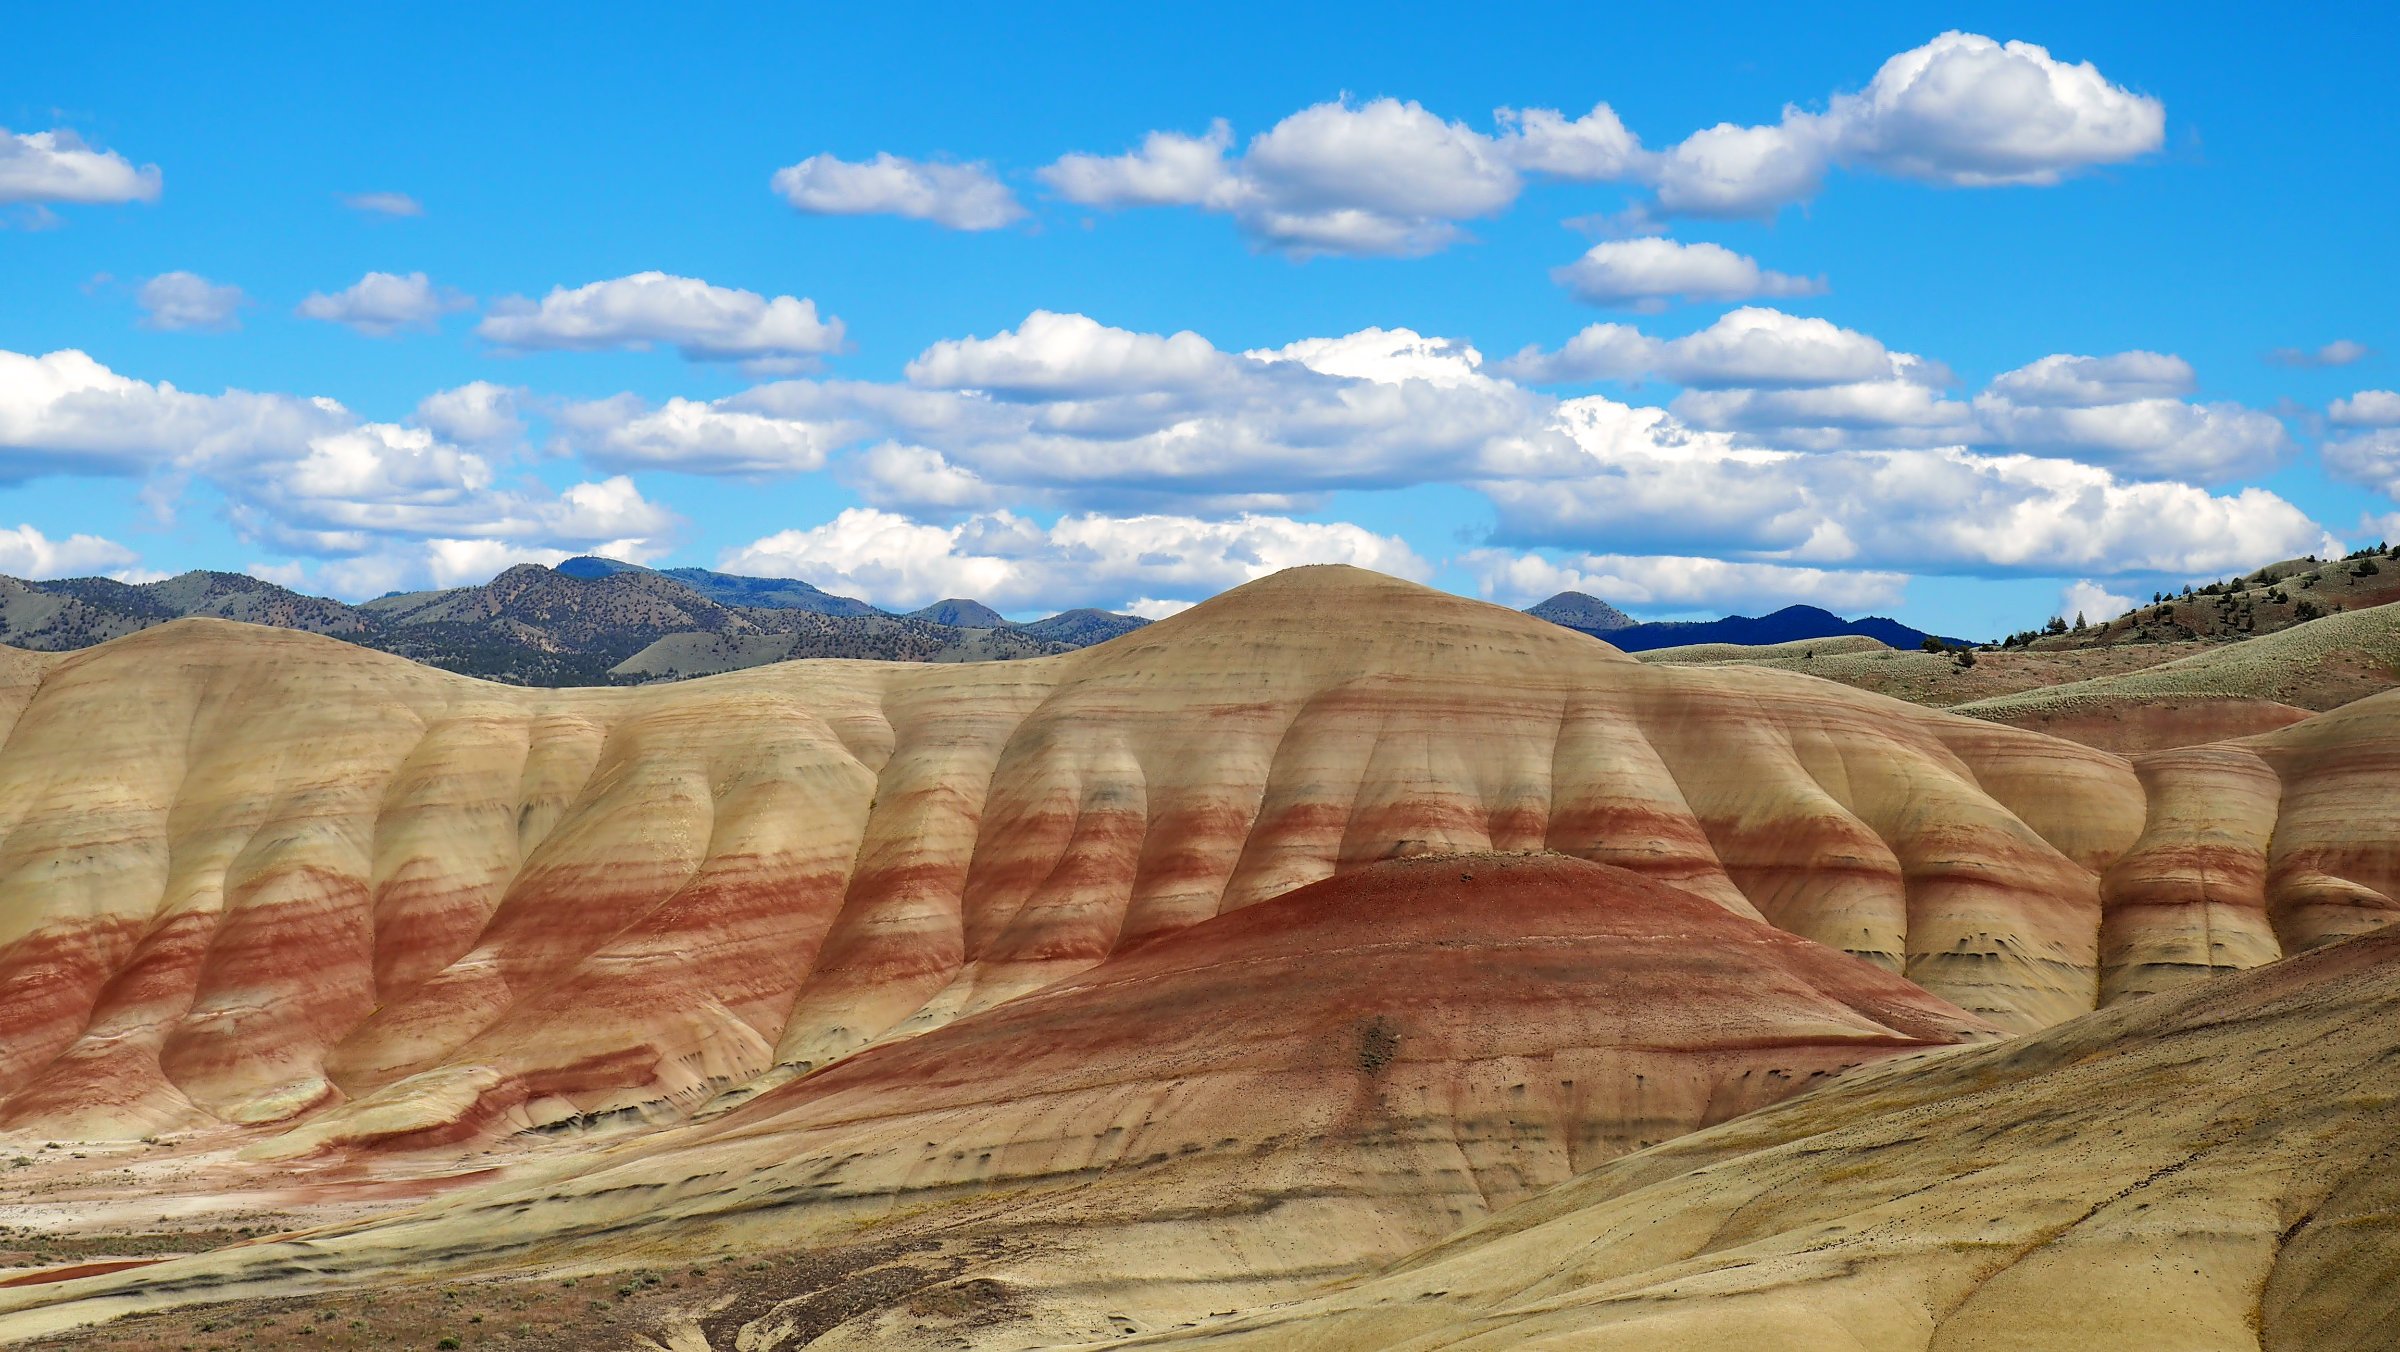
1271 1097
1401 974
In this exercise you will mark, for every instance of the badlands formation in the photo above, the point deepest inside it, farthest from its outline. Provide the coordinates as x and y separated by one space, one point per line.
1185 974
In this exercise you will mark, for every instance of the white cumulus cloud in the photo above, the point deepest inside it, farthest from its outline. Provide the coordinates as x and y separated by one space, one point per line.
57 166
2367 408
703 322
1645 273
1749 347
477 413
381 304
1013 563
26 552
959 196
187 300
1961 110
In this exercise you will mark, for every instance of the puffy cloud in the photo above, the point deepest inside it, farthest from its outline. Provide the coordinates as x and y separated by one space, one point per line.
1068 354
696 437
919 481
1388 177
2339 352
1012 563
381 304
2368 458
187 300
1807 384
1748 347
1169 170
27 552
1382 177
1962 110
703 322
960 196
1385 177
478 412
1904 409
303 475
1593 148
1065 411
2162 438
1645 273
56 166
2122 411
383 203
1968 111
66 413
2066 381
2089 600
1679 582
2367 408
1653 484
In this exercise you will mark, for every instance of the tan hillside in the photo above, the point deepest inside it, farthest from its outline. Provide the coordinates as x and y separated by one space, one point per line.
1935 679
2203 1170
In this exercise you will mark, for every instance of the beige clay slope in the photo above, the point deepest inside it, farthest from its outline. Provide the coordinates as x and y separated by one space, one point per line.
1278 1095
2205 1171
269 879
250 876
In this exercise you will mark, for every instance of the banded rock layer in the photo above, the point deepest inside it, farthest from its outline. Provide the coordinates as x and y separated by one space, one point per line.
253 876
1277 1095
2210 1169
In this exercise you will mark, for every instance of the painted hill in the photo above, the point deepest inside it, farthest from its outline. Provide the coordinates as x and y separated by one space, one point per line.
2198 1171
806 959
1525 1016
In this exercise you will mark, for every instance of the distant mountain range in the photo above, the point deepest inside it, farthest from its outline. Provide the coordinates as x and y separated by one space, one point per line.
1591 615
590 621
598 621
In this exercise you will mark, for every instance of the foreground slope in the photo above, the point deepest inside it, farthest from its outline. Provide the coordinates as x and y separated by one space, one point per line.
1268 1098
2210 1169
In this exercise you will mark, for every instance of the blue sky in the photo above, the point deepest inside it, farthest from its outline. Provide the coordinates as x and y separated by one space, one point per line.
1969 337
